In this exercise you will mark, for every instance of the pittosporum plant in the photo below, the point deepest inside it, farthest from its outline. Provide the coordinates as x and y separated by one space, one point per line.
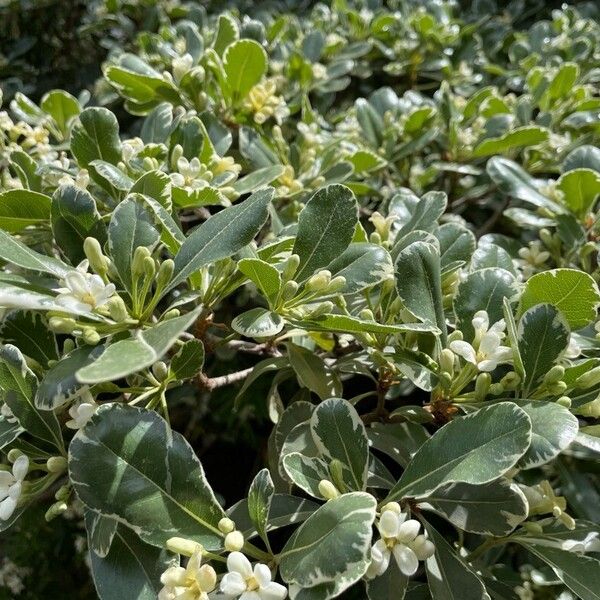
392 213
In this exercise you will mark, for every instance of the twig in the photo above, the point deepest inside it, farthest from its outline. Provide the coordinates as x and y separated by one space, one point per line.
211 383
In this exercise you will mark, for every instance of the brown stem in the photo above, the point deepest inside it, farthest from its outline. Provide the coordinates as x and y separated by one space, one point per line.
211 383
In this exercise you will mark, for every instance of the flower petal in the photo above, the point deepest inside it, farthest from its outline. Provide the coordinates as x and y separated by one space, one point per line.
464 349
409 530
262 574
7 508
237 562
20 467
406 559
233 584
273 591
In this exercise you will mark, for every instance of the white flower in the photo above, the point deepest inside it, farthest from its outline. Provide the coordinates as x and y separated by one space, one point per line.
248 584
181 65
193 582
187 177
84 292
82 411
573 349
11 484
533 258
399 537
131 148
486 352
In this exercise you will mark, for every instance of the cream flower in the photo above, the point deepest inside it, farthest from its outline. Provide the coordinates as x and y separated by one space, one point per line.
486 352
82 411
84 292
188 175
11 484
246 583
194 582
400 538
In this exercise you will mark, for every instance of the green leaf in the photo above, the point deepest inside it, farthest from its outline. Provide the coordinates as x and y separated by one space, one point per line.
512 335
258 179
101 532
222 235
61 106
514 181
17 389
581 574
521 136
325 228
543 335
339 434
354 325
494 508
188 361
260 497
474 449
482 290
110 177
580 188
17 253
391 585
29 332
448 575
9 432
128 463
245 63
74 218
305 472
23 208
265 276
59 384
258 323
332 545
313 373
130 227
457 243
417 214
553 430
95 135
363 265
132 355
227 32
572 292
418 281
170 232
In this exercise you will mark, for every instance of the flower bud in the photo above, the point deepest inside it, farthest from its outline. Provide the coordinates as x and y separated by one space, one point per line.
554 375
393 506
366 314
90 336
13 455
290 267
68 346
183 546
482 385
591 409
149 267
160 370
56 509
328 490
336 470
93 252
234 541
533 528
336 284
564 401
496 389
322 309
137 264
171 314
165 272
62 324
289 290
319 281
589 379
447 360
117 309
510 381
226 525
63 492
456 335
557 388
56 464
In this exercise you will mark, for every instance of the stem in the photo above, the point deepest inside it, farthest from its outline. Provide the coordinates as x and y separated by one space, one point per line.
211 383
487 545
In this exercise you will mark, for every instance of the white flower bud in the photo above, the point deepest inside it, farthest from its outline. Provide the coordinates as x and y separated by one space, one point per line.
184 546
319 281
56 464
393 506
328 490
234 541
226 525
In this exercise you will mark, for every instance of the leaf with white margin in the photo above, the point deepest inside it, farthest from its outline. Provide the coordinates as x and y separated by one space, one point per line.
389 586
101 532
543 335
339 434
127 463
260 496
258 323
130 569
494 508
333 545
132 355
9 432
59 384
15 252
580 573
17 389
553 430
353 325
448 575
476 449
306 472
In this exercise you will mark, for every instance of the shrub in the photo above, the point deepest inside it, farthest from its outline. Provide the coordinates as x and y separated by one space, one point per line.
373 229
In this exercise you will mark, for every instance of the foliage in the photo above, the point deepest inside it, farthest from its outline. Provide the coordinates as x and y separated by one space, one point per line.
387 219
